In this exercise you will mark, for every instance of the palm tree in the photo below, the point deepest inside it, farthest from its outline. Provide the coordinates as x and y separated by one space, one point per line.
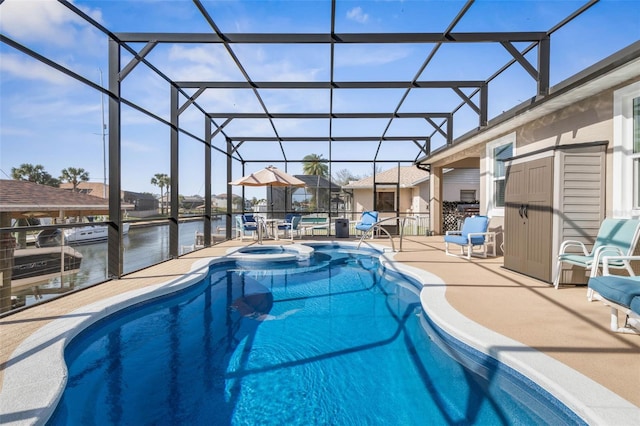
161 180
74 176
35 174
315 165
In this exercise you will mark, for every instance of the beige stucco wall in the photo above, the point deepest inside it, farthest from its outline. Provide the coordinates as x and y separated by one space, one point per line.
588 120
421 198
363 200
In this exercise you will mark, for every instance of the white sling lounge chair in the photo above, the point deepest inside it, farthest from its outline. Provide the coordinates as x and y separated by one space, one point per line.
616 237
621 293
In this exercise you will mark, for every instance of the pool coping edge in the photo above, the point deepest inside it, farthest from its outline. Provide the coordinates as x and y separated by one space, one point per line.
591 401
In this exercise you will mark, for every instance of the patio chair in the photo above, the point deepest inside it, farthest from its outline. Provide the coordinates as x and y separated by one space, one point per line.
621 293
472 234
291 224
367 220
246 226
616 237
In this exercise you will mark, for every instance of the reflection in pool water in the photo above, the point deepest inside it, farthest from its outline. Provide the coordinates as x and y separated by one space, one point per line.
335 341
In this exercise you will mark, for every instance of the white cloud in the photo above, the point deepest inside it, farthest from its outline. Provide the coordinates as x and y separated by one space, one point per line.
200 54
21 67
200 63
367 56
44 21
358 15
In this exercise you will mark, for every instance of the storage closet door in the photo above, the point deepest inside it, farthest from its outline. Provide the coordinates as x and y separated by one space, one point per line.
529 218
514 222
539 217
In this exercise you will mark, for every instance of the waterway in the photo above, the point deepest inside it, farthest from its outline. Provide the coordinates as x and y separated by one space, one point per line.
142 246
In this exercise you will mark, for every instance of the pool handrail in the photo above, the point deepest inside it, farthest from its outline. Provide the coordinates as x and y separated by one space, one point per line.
377 227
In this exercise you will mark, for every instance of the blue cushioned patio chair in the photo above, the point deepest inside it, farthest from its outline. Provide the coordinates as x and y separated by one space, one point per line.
367 220
621 293
474 233
616 237
291 224
246 226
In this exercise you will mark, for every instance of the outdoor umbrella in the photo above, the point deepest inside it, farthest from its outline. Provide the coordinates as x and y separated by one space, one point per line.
269 176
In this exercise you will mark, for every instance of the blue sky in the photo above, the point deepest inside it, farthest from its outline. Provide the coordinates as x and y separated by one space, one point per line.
49 118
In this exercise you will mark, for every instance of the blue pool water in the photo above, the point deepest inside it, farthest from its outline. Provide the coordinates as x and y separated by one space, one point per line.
332 340
265 250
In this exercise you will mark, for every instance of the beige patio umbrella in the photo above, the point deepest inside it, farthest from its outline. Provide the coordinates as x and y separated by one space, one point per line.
269 176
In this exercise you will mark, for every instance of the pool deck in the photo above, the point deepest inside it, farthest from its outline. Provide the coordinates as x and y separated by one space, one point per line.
560 323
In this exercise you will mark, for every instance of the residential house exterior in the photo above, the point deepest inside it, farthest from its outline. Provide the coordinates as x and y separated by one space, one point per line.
191 202
315 197
554 167
142 201
95 189
144 204
219 201
404 190
318 189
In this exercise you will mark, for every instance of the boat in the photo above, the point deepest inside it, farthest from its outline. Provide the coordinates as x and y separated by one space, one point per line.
48 238
90 234
40 264
76 236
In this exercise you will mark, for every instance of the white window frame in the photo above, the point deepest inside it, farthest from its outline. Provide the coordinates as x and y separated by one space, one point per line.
492 209
623 160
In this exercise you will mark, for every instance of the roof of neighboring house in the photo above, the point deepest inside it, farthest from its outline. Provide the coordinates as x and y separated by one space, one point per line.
28 199
223 196
92 188
139 195
192 199
410 176
315 181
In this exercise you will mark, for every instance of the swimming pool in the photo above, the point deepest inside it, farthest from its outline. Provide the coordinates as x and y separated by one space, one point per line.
342 342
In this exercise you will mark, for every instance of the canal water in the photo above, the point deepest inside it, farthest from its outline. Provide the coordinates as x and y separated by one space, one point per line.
142 246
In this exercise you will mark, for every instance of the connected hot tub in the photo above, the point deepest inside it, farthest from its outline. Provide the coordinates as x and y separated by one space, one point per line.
274 253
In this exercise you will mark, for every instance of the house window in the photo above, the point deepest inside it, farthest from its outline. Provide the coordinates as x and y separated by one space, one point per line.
626 151
468 195
497 152
385 201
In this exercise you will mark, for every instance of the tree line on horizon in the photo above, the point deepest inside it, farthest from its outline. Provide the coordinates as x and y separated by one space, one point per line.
37 174
312 164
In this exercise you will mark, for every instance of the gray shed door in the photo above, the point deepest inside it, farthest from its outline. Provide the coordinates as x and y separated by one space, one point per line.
529 218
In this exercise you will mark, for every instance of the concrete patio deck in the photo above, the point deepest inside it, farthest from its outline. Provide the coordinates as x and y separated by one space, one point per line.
560 323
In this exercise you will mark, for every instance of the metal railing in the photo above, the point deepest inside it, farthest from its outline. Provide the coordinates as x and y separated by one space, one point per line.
378 227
